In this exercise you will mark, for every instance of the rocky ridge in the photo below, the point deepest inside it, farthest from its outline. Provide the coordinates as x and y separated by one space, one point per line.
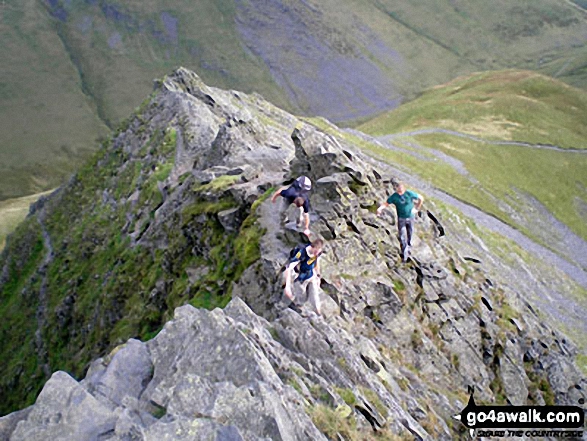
175 210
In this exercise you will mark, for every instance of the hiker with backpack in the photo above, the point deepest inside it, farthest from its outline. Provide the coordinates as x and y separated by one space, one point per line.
298 194
304 259
407 204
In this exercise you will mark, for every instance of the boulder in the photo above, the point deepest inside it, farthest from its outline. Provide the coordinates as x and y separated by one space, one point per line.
127 373
65 411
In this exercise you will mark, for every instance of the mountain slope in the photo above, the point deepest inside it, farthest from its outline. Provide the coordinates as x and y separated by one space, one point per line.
42 99
175 209
571 69
13 212
90 63
504 105
511 143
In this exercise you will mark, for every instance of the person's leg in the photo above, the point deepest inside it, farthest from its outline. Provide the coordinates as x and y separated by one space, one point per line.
303 297
288 284
409 231
284 208
401 232
300 221
314 294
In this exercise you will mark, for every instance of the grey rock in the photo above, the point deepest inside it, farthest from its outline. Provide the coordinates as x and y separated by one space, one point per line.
192 429
132 423
126 375
209 174
65 411
513 376
233 383
8 423
195 274
230 219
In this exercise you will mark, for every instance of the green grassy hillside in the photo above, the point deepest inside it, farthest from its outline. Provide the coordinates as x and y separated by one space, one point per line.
509 105
49 125
72 68
572 69
475 122
12 212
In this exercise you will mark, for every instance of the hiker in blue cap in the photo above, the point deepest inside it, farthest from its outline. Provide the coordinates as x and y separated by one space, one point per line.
298 193
407 204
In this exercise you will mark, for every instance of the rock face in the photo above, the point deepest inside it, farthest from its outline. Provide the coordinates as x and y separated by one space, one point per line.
174 211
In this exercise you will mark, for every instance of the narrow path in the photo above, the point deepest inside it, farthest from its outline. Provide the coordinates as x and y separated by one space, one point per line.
487 221
385 141
436 130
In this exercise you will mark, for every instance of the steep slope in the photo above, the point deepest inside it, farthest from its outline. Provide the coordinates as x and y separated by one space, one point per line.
511 143
175 210
90 63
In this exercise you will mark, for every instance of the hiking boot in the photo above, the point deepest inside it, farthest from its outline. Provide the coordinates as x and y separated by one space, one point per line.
295 308
407 252
291 226
309 314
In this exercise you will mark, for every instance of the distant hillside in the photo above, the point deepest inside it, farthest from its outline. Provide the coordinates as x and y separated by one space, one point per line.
505 105
12 212
88 64
512 143
572 69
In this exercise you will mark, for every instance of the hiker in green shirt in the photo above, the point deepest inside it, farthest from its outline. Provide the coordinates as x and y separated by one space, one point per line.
406 209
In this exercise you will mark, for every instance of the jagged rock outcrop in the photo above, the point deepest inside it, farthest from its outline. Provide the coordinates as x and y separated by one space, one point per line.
175 210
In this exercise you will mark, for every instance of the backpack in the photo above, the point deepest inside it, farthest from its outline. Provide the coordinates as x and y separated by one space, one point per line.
302 184
297 249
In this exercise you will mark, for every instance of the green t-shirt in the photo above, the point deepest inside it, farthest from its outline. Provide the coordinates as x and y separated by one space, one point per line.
404 203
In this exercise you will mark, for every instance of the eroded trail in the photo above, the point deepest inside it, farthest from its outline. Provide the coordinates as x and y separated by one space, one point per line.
439 131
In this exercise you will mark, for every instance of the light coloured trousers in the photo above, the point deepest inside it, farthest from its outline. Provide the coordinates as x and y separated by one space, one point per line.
310 290
286 210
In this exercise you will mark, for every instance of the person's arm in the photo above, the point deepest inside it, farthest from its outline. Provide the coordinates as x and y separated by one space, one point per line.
318 272
306 208
382 207
277 193
287 274
419 200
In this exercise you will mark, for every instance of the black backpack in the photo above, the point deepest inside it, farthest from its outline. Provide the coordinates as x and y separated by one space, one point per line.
292 256
296 250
